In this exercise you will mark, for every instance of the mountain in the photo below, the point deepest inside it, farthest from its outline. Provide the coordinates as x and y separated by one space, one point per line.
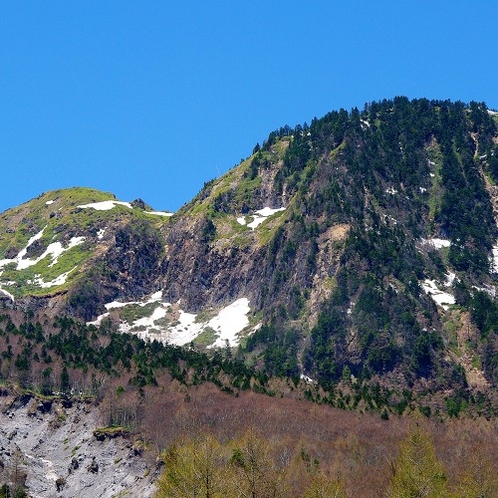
358 251
351 263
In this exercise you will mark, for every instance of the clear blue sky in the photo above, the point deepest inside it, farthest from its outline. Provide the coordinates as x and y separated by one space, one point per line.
151 99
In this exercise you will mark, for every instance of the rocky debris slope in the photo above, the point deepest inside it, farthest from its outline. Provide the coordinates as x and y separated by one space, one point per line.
56 446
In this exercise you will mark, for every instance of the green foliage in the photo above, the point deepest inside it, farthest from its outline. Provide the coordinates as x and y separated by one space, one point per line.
194 468
86 348
479 480
61 220
417 471
208 231
280 351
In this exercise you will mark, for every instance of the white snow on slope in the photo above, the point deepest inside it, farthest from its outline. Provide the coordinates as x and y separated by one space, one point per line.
185 331
149 321
437 243
307 379
268 211
230 321
256 222
226 325
105 205
159 213
55 249
22 252
494 259
155 298
440 297
8 294
61 279
259 216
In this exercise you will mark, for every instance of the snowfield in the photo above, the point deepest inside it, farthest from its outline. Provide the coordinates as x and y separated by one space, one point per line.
224 327
494 259
229 322
440 297
159 213
105 205
61 279
437 243
259 217
55 250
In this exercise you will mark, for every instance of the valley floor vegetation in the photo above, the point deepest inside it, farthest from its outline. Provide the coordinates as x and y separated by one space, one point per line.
251 466
169 400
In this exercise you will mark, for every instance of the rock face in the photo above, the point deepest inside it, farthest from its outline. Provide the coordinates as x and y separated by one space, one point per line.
56 451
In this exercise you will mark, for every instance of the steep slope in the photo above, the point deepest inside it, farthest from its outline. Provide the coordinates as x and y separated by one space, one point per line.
356 250
57 448
73 249
379 245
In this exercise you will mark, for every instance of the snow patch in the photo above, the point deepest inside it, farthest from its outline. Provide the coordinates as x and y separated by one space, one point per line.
442 298
436 242
23 251
159 213
488 289
307 379
8 294
105 205
391 190
55 250
61 279
494 259
269 211
257 220
229 322
226 325
154 298
259 216
49 202
149 321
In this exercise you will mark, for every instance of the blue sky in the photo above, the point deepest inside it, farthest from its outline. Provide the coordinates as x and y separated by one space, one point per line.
151 99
